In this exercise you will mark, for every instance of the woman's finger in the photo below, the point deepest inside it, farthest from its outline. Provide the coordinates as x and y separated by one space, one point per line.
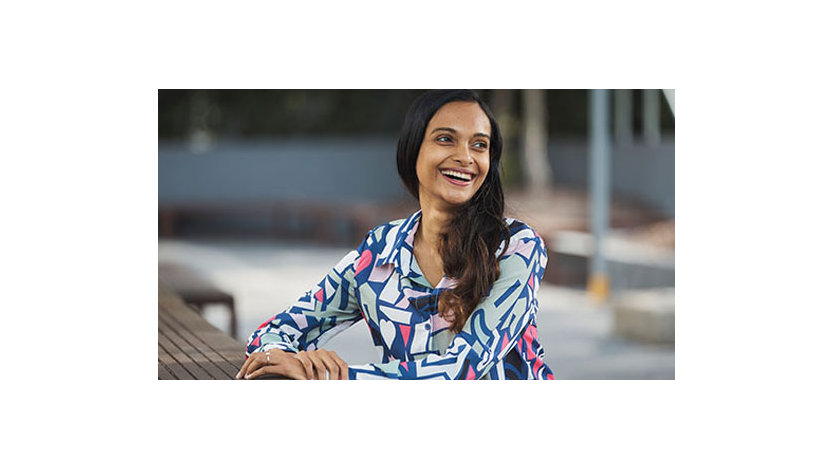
318 365
258 361
331 365
268 370
284 365
260 372
343 367
292 368
305 361
242 370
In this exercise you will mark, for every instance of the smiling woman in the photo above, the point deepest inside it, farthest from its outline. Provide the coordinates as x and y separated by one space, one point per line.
449 293
462 129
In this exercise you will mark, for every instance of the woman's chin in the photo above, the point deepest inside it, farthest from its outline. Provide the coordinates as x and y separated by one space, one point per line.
451 199
456 200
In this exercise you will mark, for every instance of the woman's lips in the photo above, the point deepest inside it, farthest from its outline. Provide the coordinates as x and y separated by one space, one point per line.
457 182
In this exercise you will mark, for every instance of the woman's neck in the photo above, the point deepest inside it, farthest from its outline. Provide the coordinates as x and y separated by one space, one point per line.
433 223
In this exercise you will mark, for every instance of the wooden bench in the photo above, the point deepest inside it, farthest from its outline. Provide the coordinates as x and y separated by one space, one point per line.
197 291
189 347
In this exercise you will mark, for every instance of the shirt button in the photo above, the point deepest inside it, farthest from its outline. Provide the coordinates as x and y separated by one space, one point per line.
428 327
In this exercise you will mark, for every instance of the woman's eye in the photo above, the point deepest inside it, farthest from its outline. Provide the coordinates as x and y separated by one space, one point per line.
481 145
444 138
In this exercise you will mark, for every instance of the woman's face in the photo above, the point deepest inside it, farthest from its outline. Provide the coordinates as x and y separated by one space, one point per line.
454 157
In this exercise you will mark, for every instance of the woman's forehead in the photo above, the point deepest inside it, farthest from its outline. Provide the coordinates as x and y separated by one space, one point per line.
465 117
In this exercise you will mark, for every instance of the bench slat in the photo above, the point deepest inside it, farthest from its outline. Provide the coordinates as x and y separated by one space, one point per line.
182 357
194 349
199 342
190 347
172 364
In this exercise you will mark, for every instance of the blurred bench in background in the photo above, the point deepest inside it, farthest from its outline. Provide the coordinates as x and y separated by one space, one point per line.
197 291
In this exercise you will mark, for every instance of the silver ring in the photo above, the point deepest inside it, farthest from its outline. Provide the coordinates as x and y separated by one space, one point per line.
267 358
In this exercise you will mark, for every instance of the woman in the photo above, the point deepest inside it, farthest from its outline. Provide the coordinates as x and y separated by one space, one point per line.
449 293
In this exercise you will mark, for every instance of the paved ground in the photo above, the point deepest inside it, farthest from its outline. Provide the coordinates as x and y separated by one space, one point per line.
267 276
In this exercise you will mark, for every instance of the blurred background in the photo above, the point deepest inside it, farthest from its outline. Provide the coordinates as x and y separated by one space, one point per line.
261 192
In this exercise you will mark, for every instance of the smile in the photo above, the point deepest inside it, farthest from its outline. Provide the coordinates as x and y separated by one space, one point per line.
457 177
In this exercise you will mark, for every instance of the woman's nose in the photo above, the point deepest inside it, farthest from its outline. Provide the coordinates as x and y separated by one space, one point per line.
463 156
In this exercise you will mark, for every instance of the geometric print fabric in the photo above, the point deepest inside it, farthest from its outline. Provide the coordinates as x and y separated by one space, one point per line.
381 284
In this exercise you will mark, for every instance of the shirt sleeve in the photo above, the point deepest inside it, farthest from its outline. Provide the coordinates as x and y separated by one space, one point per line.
492 330
323 311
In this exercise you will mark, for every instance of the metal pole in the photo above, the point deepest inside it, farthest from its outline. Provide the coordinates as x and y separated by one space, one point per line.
600 149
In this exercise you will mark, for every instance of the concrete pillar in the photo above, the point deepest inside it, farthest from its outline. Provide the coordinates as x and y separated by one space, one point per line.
651 117
623 112
600 189
536 166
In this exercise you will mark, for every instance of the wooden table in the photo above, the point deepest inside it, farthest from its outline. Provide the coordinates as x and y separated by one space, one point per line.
191 348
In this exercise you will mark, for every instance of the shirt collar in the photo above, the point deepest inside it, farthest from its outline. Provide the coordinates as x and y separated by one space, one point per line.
399 245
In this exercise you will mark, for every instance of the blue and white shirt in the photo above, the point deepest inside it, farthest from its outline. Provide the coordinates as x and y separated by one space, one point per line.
381 283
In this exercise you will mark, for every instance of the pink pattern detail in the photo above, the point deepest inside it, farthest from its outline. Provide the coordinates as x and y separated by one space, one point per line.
256 342
364 261
406 332
530 335
380 273
504 342
299 319
404 365
320 295
524 249
438 323
470 375
411 293
531 282
512 247
447 283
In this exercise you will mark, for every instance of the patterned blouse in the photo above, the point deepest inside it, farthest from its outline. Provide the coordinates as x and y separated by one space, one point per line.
381 283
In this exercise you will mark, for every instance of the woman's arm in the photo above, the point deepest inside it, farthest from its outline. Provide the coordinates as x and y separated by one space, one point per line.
492 330
320 313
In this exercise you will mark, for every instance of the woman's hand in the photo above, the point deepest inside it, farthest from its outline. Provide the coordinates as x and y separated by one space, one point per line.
272 362
311 365
323 365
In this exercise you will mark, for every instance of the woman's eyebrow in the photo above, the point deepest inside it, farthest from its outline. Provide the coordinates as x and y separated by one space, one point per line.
449 129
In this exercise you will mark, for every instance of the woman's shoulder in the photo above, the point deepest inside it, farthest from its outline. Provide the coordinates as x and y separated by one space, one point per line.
523 238
388 229
385 238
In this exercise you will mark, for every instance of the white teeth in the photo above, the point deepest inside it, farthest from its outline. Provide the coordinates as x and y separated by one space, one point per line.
457 174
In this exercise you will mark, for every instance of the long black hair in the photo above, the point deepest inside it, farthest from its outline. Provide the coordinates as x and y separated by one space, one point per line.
469 244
